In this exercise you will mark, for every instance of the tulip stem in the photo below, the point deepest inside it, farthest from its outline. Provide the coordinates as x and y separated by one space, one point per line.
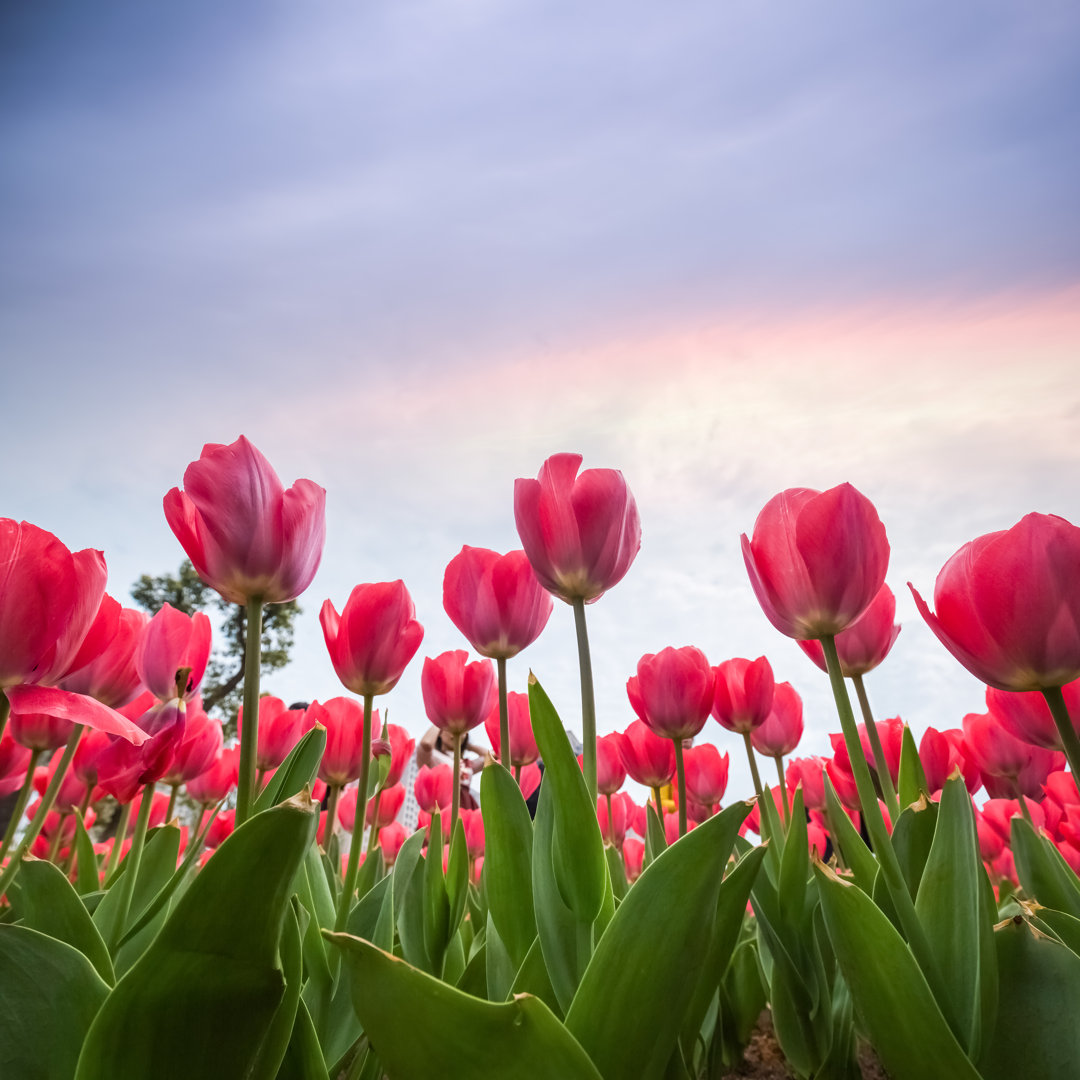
249 732
332 797
504 713
69 862
172 802
19 808
1024 808
881 766
680 779
588 700
5 712
358 822
875 825
54 845
754 775
785 805
47 801
1070 742
198 823
517 775
126 884
373 830
610 819
118 842
659 804
455 798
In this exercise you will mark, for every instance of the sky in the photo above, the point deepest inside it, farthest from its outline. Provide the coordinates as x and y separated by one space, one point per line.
411 249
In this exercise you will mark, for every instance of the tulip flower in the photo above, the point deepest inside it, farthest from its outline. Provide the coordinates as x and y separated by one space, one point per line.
402 745
345 723
1008 608
280 729
104 667
390 840
1009 767
807 771
473 822
633 855
647 758
389 806
1027 716
581 533
171 643
743 701
613 815
434 787
529 780
14 764
610 770
706 774
941 754
866 642
199 748
523 748
779 735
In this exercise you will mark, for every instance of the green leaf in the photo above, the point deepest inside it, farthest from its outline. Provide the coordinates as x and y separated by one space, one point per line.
277 1039
295 772
655 837
1043 873
958 928
577 849
436 902
858 858
1037 1036
630 1006
532 978
202 997
794 864
457 877
473 1039
911 783
616 871
508 845
912 837
303 1059
49 995
88 879
409 902
49 904
499 969
1064 927
891 994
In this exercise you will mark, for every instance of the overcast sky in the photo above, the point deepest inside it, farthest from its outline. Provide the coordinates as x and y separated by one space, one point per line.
412 249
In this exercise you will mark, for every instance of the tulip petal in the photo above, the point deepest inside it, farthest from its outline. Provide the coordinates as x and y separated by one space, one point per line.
75 707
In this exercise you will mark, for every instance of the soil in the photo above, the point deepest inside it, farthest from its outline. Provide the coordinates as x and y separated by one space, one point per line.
763 1059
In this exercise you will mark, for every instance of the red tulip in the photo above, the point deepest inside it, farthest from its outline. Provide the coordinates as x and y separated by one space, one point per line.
280 729
1061 794
744 694
246 535
171 642
783 727
374 637
391 837
221 828
648 758
706 774
1007 765
580 532
14 761
842 779
610 770
1026 716
891 733
458 695
613 829
215 782
84 763
104 667
672 691
866 642
941 754
808 772
391 801
198 750
473 821
402 745
816 560
633 855
523 748
530 779
752 821
434 787
1008 605
124 768
495 601
39 731
343 719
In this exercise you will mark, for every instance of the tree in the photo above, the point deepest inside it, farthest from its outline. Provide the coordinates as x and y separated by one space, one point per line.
222 688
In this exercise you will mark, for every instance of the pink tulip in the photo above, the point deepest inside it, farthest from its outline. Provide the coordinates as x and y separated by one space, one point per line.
391 837
816 560
374 637
580 532
39 731
473 821
783 727
458 695
523 748
402 745
280 729
866 642
434 787
672 691
530 779
1008 766
171 642
198 750
495 601
14 761
941 754
216 781
124 768
343 719
706 774
842 779
1026 716
221 828
633 857
647 758
246 535
391 801
610 770
891 733
808 772
613 829
744 694
84 763
752 821
1008 605
104 667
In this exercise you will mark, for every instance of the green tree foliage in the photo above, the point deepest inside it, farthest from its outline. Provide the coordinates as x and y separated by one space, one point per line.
222 688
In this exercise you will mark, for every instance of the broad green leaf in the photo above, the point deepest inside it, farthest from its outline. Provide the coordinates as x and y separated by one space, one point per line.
304 1058
655 837
457 877
794 864
958 928
1037 1035
409 902
436 902
49 904
891 994
213 967
858 858
49 995
508 844
1043 873
616 871
500 965
911 784
87 879
912 837
630 1006
274 1045
532 978
1064 927
473 1039
577 849
295 773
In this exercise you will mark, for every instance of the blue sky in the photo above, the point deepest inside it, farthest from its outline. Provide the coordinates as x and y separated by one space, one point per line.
411 249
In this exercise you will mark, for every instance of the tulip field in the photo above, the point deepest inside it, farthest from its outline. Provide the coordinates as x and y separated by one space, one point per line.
907 907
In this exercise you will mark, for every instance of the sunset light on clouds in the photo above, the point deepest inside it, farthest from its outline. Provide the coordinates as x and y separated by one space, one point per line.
410 250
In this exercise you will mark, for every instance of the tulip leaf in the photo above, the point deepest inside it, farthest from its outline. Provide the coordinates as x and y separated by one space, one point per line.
508 844
1064 927
911 782
616 871
49 904
49 995
88 878
1043 873
958 926
655 838
409 870
436 902
499 965
213 968
1040 985
858 858
274 1045
891 994
303 1058
532 978
457 877
577 849
295 772
474 1039
794 863
631 1003
912 837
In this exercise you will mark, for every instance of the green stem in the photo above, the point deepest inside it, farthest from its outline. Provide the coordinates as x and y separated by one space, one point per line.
126 884
249 734
331 814
881 766
875 825
766 806
659 804
47 801
517 775
610 819
5 712
69 862
358 824
19 808
588 700
195 829
373 831
680 778
1024 808
1070 743
784 804
455 798
118 842
754 775
504 714
54 844
172 802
